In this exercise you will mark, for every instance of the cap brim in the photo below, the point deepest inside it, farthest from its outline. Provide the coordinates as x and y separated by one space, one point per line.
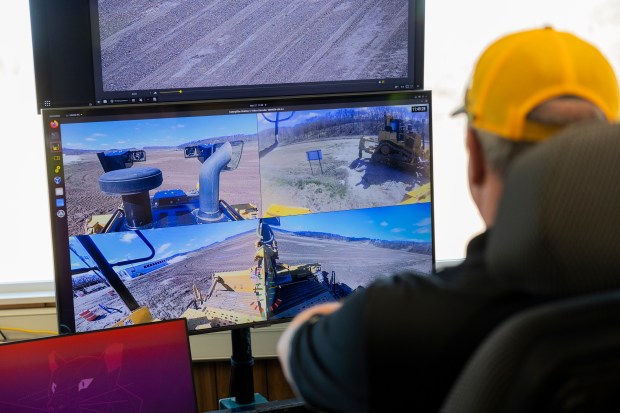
458 111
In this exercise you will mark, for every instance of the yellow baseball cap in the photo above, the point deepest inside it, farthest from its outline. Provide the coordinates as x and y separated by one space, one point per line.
522 70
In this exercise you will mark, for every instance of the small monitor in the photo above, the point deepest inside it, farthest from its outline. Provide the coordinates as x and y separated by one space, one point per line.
96 52
136 369
238 212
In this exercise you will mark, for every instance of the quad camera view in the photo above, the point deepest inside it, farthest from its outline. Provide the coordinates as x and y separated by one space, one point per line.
242 218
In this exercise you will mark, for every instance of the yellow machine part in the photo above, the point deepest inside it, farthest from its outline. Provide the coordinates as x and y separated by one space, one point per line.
418 195
298 271
367 144
209 317
247 211
140 316
277 210
233 316
239 281
96 223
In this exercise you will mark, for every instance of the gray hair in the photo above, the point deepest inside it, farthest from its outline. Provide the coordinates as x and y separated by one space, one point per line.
561 112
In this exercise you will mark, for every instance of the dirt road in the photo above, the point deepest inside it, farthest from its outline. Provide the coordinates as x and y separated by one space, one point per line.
355 263
155 45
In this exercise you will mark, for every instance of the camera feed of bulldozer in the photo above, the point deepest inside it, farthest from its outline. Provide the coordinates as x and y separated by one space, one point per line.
300 208
329 160
242 272
160 173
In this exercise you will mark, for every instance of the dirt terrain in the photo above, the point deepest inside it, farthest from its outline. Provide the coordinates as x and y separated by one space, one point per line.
159 45
84 198
167 292
355 263
340 181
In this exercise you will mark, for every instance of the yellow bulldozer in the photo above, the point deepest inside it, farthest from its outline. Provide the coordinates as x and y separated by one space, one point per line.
267 290
397 144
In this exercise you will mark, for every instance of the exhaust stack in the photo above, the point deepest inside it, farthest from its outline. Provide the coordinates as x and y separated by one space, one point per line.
209 183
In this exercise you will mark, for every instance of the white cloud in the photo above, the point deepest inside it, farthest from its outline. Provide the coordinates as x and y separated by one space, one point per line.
423 223
128 237
163 248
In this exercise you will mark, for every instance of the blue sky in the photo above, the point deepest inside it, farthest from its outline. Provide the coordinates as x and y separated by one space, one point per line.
167 242
173 131
304 116
153 132
402 222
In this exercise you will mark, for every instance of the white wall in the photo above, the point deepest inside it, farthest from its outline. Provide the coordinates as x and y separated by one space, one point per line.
25 238
456 32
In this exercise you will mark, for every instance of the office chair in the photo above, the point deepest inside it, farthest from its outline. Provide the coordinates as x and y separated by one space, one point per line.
556 235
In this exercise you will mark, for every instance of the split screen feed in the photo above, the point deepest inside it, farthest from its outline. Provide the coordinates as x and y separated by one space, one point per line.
241 218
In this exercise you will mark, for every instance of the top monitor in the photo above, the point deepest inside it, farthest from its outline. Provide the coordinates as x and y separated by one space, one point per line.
109 52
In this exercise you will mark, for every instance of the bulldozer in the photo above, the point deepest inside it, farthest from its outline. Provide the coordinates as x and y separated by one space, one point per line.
267 290
397 145
164 209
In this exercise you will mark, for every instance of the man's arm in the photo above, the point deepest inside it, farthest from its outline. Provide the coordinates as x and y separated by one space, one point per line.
322 354
284 342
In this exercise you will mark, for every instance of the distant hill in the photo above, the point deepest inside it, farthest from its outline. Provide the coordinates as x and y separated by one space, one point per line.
229 138
411 246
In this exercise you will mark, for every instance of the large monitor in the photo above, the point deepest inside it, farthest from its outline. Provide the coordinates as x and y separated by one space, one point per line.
235 213
109 52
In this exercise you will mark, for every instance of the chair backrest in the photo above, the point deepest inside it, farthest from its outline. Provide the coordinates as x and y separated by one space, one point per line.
560 357
557 236
556 229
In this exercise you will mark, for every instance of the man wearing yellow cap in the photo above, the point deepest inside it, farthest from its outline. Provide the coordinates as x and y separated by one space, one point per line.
399 344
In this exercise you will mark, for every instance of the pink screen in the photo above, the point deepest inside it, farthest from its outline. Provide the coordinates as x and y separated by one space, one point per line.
138 369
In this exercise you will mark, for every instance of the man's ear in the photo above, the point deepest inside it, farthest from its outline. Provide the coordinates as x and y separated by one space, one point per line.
477 164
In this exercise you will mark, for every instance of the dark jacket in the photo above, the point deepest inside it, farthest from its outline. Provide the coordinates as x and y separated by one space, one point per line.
399 344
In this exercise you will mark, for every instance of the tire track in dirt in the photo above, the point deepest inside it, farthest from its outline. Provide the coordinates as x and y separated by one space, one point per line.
168 291
354 263
201 44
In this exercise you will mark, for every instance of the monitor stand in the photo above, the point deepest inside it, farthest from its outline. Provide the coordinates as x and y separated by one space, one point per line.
241 388
242 397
